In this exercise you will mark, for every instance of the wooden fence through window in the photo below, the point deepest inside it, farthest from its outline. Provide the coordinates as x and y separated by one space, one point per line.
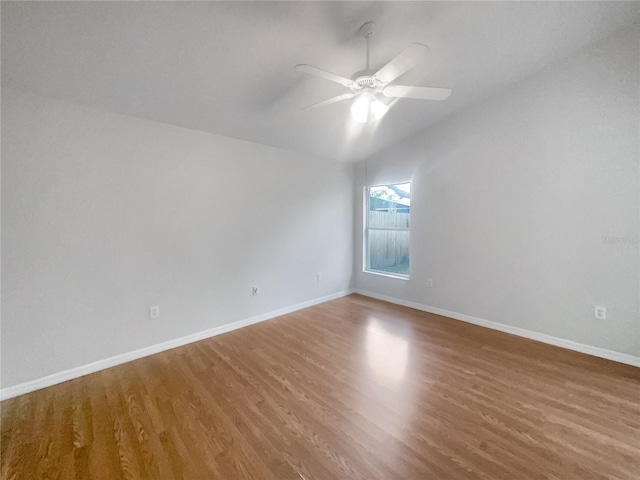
388 248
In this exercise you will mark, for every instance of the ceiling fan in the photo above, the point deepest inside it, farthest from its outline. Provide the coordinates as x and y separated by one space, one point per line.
368 85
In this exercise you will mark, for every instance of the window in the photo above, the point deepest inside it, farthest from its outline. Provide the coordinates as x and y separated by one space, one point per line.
386 236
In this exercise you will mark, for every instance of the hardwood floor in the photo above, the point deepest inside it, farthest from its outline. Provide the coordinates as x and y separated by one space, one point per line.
350 389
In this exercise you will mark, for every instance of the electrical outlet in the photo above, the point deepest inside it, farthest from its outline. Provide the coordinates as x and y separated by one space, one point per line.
319 276
429 282
600 313
154 312
254 291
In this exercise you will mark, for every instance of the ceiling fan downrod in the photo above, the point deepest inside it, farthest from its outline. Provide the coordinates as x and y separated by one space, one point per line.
366 31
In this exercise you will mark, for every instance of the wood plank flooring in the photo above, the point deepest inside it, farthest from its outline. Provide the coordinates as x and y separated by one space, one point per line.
351 389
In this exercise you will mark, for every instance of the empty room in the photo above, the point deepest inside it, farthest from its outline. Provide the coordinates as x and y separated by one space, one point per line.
308 240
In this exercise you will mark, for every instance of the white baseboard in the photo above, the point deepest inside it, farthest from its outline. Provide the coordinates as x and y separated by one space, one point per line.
520 332
76 372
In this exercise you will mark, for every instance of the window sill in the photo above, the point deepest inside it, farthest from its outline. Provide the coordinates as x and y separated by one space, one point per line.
390 275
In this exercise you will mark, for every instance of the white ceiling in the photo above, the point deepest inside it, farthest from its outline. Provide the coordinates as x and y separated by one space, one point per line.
228 67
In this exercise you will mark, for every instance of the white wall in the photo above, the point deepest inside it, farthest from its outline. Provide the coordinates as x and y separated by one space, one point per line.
512 199
104 215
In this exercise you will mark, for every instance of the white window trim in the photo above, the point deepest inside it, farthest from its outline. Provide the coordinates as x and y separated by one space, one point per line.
365 237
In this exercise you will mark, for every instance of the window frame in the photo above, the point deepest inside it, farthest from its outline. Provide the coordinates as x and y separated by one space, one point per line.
366 258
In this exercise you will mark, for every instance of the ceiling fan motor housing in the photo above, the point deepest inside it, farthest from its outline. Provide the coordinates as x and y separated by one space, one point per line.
365 79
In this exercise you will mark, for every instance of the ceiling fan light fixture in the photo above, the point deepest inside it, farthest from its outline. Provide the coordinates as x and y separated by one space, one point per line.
365 104
378 108
360 109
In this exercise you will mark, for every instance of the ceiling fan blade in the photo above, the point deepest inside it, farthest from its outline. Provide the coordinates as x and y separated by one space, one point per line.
339 98
405 61
421 93
318 72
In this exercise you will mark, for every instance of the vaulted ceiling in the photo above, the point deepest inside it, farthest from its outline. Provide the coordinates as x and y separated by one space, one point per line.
228 67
